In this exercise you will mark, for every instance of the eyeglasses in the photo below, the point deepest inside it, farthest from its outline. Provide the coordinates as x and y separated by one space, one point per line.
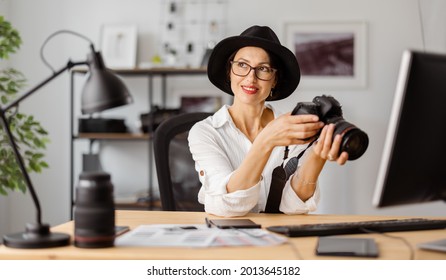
262 72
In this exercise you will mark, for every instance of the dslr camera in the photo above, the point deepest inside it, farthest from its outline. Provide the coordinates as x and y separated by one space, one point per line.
328 109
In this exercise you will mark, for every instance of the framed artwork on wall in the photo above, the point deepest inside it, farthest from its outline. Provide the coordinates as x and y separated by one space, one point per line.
330 54
118 45
209 104
188 29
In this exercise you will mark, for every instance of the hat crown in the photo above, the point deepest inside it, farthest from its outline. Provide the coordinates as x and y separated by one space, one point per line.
288 72
261 32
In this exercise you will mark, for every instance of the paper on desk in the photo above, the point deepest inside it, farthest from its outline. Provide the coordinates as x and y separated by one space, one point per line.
247 237
169 235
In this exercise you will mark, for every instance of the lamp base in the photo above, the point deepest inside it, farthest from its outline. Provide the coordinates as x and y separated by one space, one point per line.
36 236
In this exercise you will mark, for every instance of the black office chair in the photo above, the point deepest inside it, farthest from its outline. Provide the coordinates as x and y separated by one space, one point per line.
175 168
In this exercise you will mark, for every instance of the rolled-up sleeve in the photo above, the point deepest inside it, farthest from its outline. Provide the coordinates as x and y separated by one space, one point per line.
292 204
219 202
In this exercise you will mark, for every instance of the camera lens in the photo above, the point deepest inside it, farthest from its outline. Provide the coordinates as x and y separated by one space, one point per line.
354 140
355 143
94 214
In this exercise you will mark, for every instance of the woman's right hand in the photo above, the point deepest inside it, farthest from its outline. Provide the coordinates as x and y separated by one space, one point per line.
291 130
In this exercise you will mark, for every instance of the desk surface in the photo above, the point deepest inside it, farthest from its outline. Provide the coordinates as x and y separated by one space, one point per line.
299 248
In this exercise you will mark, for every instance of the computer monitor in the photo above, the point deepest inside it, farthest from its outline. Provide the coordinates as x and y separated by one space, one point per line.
413 165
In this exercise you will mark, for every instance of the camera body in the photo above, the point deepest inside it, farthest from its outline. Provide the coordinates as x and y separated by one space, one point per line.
329 110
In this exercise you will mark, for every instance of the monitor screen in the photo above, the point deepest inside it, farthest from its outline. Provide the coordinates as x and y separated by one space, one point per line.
413 164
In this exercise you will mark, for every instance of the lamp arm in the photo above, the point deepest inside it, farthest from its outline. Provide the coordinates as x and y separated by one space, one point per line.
21 164
5 124
68 66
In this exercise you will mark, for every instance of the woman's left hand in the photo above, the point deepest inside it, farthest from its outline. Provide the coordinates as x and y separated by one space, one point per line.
328 149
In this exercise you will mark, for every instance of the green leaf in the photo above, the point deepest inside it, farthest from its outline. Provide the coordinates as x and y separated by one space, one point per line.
38 143
43 164
21 186
34 166
37 156
42 131
11 40
2 191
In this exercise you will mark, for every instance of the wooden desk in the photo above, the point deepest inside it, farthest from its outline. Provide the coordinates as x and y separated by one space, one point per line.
390 248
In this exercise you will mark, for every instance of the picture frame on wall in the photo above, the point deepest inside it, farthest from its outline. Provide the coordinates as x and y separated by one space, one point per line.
119 45
331 55
209 104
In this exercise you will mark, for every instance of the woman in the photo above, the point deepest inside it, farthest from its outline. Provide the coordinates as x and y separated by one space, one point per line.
236 149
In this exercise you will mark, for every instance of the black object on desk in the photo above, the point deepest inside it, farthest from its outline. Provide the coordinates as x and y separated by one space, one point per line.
94 211
340 246
232 223
324 229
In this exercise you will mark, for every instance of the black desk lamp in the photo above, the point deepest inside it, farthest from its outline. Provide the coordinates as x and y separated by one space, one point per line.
103 90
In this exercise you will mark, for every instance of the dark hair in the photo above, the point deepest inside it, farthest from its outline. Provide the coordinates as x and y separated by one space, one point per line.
274 61
228 66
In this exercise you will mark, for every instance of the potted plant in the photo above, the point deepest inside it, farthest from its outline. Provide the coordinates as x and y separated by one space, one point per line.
30 136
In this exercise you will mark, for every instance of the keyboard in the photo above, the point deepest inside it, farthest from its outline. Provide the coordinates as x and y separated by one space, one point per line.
324 229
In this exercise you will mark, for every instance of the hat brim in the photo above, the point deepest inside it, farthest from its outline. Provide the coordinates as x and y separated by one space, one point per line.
216 70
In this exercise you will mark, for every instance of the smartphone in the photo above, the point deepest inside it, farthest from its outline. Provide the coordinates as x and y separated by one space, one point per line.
233 223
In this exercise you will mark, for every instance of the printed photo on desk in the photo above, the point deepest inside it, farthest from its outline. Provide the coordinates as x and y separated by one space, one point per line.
176 235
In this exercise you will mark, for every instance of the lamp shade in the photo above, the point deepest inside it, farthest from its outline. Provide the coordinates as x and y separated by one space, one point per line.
103 89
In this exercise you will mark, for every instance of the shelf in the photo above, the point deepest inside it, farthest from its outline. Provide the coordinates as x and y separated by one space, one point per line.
152 71
148 73
113 136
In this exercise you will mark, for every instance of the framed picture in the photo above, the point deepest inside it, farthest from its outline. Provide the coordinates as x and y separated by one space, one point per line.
330 54
118 45
200 103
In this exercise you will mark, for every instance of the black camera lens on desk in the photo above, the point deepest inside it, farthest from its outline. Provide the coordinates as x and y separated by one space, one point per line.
94 212
328 109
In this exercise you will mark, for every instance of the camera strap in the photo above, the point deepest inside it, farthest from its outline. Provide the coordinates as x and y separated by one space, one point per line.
280 175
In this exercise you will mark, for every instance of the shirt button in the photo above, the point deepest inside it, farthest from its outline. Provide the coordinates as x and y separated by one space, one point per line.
201 173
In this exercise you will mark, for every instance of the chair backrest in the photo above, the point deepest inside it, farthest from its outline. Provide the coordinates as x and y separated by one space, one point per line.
177 178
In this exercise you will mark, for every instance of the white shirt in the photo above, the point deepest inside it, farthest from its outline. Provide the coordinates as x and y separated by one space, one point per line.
218 148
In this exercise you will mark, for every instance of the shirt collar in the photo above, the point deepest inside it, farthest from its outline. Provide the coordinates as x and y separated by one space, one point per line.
222 116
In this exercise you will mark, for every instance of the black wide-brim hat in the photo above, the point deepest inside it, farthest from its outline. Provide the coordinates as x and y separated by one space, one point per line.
256 36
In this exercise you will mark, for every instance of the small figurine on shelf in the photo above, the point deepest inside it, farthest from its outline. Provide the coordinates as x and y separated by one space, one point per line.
170 56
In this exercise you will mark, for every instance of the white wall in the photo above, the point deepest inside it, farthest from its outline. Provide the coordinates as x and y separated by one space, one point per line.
392 26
